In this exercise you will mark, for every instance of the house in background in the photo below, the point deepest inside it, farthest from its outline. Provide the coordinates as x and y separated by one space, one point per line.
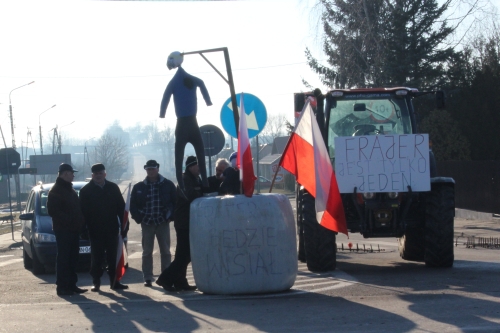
269 163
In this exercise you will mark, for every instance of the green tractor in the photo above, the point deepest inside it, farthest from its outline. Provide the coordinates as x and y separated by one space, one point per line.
419 214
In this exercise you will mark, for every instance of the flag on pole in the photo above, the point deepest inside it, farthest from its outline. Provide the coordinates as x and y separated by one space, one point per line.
306 157
245 164
121 253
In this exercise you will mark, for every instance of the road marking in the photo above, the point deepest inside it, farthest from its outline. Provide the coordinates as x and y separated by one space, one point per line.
135 255
8 262
8 255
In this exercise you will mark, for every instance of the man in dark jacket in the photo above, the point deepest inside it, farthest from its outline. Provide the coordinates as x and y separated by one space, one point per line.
152 204
103 208
174 277
67 222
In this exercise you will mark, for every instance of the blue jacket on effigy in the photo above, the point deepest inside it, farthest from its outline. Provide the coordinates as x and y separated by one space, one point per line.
183 87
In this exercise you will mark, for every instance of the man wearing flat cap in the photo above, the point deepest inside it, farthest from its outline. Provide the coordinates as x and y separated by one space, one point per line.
152 205
174 277
103 208
67 222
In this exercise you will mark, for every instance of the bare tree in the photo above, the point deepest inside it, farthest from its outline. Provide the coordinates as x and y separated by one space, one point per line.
275 127
113 153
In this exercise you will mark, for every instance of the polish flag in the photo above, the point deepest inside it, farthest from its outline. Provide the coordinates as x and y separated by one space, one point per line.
247 177
306 157
121 253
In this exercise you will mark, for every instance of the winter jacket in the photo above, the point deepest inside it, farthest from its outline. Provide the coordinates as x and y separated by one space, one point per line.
102 208
64 208
139 198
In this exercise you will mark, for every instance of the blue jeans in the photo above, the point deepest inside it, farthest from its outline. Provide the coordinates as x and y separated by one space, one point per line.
162 233
68 248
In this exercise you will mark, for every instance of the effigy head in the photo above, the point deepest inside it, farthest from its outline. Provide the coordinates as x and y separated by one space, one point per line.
175 59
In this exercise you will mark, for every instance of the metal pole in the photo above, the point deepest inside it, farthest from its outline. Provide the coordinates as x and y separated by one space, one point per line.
10 111
8 185
40 128
258 162
229 80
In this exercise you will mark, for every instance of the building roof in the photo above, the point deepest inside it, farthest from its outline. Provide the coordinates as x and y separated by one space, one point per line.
270 159
279 144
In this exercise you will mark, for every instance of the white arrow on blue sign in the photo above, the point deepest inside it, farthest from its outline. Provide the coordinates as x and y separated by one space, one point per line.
255 112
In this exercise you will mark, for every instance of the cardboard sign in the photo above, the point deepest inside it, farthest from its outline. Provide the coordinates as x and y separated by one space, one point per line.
382 163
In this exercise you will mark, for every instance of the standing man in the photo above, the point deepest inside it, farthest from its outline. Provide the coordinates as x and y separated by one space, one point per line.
103 208
215 181
174 277
152 204
67 221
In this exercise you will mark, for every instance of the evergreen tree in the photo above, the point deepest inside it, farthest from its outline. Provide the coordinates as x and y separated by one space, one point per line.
383 43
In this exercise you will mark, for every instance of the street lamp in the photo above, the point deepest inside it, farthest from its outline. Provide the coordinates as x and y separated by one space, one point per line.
11 118
40 128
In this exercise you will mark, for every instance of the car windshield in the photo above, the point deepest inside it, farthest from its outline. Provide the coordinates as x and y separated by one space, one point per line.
43 202
359 115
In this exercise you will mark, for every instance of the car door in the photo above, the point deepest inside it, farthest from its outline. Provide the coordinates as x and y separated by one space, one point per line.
26 225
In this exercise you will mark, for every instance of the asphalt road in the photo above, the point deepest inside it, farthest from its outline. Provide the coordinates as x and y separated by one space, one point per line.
368 292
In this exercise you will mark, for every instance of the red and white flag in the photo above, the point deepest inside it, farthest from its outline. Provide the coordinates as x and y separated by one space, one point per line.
245 164
121 253
306 157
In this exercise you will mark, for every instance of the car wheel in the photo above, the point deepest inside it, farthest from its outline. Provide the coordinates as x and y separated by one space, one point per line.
38 267
27 261
411 245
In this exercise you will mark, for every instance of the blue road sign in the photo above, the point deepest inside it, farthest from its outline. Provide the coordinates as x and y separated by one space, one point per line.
255 112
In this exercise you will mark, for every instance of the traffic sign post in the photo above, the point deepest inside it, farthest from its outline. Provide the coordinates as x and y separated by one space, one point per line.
213 141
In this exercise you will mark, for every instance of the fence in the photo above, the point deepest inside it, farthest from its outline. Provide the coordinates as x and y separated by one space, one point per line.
477 184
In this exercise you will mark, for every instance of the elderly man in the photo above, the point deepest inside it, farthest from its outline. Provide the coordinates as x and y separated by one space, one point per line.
67 221
215 181
103 208
152 204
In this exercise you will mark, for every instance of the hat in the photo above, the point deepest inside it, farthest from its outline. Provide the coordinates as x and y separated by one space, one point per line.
190 161
97 167
151 164
66 167
233 158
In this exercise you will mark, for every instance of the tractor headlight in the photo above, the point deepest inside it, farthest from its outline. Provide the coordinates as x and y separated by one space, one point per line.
392 195
44 238
368 195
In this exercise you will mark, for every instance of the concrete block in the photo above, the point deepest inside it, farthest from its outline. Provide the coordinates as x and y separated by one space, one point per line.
243 245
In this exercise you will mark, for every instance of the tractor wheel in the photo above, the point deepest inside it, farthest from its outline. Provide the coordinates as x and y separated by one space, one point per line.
319 242
27 261
38 267
300 228
439 223
411 245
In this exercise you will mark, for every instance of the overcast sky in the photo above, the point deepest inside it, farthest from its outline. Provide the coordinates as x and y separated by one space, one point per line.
105 61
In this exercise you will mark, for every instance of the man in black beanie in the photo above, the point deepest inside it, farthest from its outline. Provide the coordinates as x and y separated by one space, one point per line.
103 208
174 277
